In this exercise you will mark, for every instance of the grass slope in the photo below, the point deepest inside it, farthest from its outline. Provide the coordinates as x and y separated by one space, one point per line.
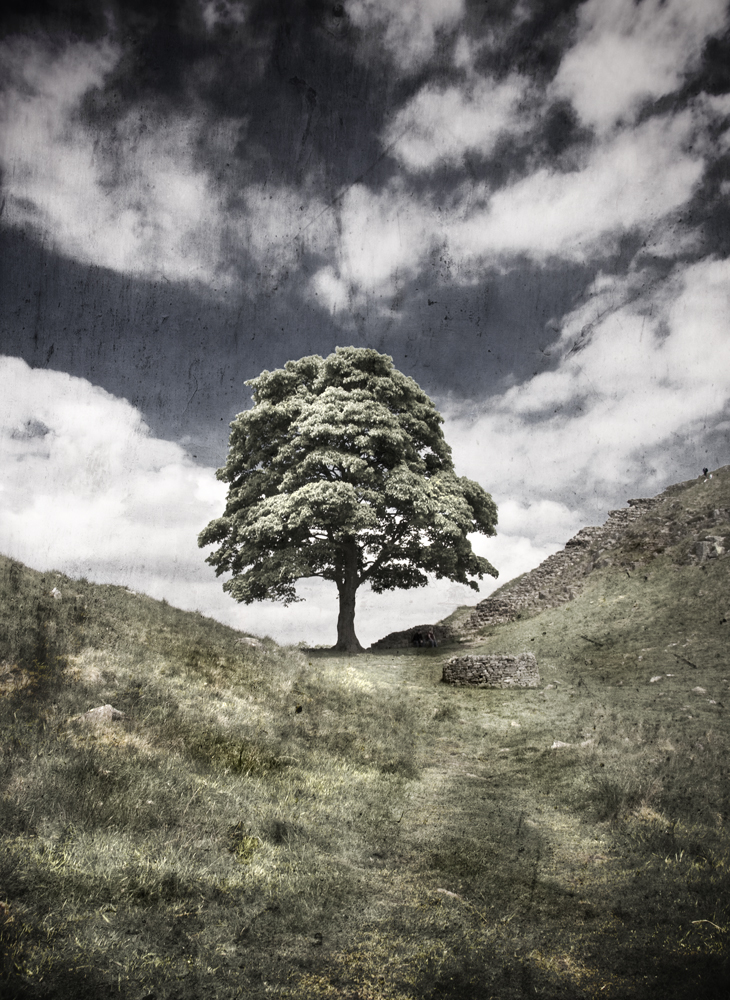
265 821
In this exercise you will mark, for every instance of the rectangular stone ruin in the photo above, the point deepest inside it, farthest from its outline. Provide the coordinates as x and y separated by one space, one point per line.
504 671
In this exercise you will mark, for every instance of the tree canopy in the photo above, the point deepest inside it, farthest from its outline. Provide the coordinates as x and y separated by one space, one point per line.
340 470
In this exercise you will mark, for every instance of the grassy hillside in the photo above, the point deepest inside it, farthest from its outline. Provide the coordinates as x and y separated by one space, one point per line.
263 821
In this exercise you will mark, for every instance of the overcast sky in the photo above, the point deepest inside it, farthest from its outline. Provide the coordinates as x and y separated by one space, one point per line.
525 203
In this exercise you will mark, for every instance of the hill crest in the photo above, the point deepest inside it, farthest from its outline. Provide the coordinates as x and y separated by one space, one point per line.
692 519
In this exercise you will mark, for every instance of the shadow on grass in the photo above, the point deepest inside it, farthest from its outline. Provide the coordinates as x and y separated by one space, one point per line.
644 915
61 983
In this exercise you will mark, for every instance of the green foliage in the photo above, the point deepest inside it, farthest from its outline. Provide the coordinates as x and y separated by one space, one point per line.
340 470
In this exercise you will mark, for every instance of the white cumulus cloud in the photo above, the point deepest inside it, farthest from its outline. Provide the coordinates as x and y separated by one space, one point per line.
442 125
631 181
85 487
409 28
635 181
628 52
382 240
330 289
629 405
140 205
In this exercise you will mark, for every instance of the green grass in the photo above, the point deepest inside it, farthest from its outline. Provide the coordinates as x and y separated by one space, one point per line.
394 837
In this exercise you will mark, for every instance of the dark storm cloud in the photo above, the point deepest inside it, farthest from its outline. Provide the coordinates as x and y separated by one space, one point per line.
286 72
275 103
265 180
182 356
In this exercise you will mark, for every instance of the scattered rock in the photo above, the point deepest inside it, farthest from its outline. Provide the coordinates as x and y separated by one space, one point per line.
56 594
558 744
698 690
248 640
710 547
653 680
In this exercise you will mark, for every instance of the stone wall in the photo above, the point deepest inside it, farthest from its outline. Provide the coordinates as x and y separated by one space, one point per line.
558 579
561 576
629 538
493 671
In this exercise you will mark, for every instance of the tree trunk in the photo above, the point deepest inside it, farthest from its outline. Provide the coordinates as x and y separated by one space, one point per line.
347 641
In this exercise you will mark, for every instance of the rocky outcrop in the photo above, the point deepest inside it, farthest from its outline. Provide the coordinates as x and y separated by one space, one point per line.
493 671
710 547
404 639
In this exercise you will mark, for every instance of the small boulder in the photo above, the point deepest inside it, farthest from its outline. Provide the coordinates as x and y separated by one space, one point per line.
104 713
710 547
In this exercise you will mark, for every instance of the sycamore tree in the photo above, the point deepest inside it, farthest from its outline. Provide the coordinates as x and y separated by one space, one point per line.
340 470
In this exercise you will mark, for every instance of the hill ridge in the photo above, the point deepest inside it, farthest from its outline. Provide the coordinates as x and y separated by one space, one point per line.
630 535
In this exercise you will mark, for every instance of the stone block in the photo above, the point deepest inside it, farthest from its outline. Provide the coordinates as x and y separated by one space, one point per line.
505 671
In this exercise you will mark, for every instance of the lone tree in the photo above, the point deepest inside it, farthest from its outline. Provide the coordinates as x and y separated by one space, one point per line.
340 470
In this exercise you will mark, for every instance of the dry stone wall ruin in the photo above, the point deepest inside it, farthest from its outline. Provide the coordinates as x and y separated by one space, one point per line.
629 537
560 577
556 580
493 671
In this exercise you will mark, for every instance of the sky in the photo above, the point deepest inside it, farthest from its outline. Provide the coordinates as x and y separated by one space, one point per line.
526 204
